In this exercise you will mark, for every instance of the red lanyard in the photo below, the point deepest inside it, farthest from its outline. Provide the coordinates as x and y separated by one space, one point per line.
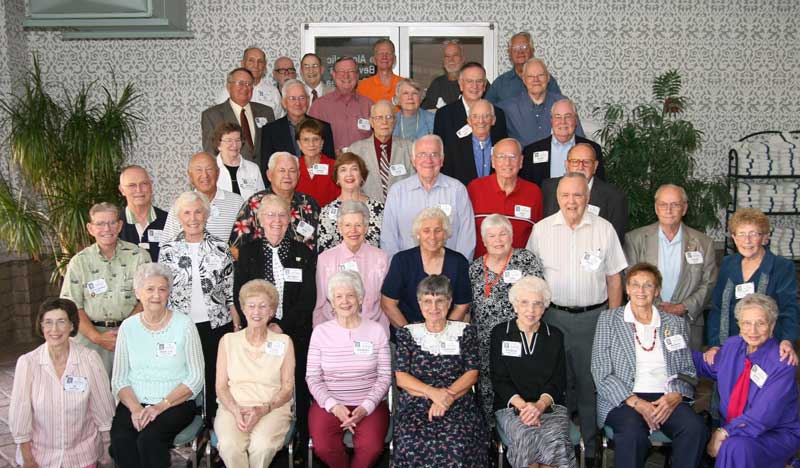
487 289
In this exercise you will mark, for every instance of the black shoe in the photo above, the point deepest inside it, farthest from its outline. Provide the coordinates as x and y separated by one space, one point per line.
591 462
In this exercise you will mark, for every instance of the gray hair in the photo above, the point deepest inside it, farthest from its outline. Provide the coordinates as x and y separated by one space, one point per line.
760 301
435 285
292 82
131 167
272 199
190 197
411 83
516 142
152 270
346 279
482 101
531 284
431 213
381 102
684 197
273 160
496 221
524 34
532 61
104 207
454 42
431 136
568 101
353 207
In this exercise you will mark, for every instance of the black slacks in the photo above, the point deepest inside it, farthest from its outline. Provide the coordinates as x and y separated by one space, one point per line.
209 341
150 447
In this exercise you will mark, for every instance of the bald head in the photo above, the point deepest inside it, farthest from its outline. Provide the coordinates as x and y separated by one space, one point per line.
137 188
481 118
203 173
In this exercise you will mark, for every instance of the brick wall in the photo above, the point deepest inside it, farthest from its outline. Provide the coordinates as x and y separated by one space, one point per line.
24 284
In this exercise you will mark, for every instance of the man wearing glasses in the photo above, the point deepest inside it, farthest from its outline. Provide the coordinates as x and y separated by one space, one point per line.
283 70
510 83
605 200
312 70
684 256
470 156
264 92
143 222
99 280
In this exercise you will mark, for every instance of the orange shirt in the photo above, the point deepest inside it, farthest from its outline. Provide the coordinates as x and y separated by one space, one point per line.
374 89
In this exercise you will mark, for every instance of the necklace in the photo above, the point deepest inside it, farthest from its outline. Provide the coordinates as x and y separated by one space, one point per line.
157 325
487 289
636 335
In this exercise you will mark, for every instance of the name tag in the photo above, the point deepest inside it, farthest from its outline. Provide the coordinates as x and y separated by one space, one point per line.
261 121
293 275
247 182
744 289
144 245
590 261
214 211
694 258
362 348
75 383
446 208
98 286
522 211
511 276
757 375
275 348
541 157
166 349
397 170
464 131
154 235
319 169
363 124
512 348
349 266
449 347
304 229
440 103
595 210
674 342
333 213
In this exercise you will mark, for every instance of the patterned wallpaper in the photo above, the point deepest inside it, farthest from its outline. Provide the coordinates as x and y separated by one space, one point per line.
740 59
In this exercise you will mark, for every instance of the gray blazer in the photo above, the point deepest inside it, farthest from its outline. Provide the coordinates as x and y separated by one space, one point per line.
696 282
614 359
401 155
222 113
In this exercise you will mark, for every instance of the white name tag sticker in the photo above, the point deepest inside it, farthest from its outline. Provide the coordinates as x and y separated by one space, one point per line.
293 275
362 348
166 349
397 170
154 235
363 124
593 209
512 348
75 383
694 258
214 211
440 103
304 229
98 286
144 245
541 157
333 213
744 289
275 348
349 266
446 208
674 342
758 376
449 347
319 169
261 121
590 261
522 211
464 131
247 182
511 276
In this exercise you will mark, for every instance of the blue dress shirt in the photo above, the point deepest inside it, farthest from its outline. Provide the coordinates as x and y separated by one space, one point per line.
509 84
482 151
529 122
558 156
670 259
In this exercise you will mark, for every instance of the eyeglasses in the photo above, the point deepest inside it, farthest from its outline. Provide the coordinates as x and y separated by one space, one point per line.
757 325
641 287
315 140
274 215
508 156
481 117
520 48
297 98
479 81
140 186
428 155
245 83
564 117
285 71
537 305
747 235
231 140
580 162
539 77
105 224
50 324
664 206
385 118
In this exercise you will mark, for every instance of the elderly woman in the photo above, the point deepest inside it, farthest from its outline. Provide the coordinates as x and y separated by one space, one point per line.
202 282
438 422
255 380
754 268
431 229
316 169
641 364
492 276
236 174
530 378
61 405
349 173
158 371
349 373
289 265
412 122
757 391
353 254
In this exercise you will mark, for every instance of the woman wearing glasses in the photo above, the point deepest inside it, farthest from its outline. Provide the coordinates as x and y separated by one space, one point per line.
316 169
236 174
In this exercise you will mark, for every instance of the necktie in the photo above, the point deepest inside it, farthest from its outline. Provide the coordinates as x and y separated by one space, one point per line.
314 95
248 137
384 167
739 392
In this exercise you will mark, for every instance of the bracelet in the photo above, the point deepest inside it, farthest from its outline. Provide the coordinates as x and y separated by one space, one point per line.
723 431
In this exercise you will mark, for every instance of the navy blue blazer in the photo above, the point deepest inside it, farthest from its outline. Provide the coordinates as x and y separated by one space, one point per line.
450 118
537 173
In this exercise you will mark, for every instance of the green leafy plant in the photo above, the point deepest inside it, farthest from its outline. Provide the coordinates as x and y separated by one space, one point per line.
653 145
68 153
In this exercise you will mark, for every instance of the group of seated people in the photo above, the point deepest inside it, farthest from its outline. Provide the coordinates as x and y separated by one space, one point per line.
483 275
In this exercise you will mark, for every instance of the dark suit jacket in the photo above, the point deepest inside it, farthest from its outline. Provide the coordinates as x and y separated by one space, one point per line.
612 203
130 234
537 173
222 113
275 136
450 118
459 160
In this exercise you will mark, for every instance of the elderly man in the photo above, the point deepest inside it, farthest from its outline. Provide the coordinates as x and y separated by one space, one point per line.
283 173
427 189
203 175
280 134
283 70
685 258
605 200
343 108
383 83
547 157
312 70
505 193
510 83
264 92
528 113
99 280
251 116
143 222
388 158
583 261
443 89
451 120
470 156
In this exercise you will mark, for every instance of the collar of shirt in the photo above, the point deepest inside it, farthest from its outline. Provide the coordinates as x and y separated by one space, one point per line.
480 145
499 190
96 250
221 164
663 237
415 183
69 368
587 219
464 103
346 97
627 315
237 109
378 144
130 219
558 145
348 254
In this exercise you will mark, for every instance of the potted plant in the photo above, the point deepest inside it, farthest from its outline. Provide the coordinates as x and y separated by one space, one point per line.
653 145
67 153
